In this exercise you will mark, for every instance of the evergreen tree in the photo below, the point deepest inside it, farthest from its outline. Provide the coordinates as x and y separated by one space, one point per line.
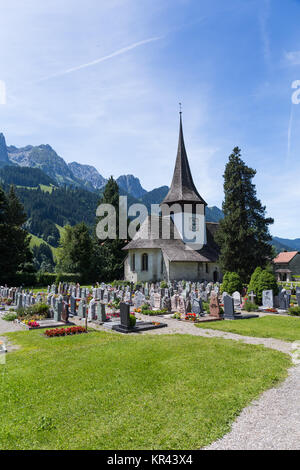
108 253
243 234
15 254
76 254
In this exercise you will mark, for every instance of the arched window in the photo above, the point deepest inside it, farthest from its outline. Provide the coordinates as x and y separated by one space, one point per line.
133 262
145 262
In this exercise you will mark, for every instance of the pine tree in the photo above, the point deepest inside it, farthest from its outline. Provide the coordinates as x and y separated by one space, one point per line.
15 253
243 234
108 252
76 253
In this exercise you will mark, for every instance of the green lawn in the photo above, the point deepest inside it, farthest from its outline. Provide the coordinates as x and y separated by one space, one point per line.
108 391
271 326
38 241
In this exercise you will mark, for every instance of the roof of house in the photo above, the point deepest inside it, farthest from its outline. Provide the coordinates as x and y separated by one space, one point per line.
182 187
285 257
174 248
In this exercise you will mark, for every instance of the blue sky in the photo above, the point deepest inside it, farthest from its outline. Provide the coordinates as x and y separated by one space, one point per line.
100 81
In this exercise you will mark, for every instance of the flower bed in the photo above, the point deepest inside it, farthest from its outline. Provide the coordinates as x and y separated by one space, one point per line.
190 317
73 330
33 324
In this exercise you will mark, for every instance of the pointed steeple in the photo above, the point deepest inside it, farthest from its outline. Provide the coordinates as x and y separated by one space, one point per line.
182 188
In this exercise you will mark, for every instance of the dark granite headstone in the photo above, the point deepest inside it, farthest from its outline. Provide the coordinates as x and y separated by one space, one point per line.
125 315
228 307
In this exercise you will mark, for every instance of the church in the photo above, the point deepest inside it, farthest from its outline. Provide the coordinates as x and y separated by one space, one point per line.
177 244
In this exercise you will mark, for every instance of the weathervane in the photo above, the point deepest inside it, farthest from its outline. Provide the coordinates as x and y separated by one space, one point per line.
180 108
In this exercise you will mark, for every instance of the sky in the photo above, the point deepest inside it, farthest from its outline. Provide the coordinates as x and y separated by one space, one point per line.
100 81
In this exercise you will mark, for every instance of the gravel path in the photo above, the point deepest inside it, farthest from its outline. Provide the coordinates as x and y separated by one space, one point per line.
270 423
174 326
9 326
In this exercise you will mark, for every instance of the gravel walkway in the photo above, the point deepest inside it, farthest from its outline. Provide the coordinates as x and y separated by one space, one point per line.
270 423
174 326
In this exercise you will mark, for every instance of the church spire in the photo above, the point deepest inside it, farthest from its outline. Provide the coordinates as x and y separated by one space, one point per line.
182 188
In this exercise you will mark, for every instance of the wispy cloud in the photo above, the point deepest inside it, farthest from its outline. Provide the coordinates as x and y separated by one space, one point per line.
290 133
293 57
101 59
263 20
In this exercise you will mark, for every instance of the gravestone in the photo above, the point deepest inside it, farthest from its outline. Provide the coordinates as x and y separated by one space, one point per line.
197 307
92 310
157 301
237 299
58 309
228 307
124 317
284 300
72 305
252 297
298 298
267 299
102 315
65 312
81 309
166 304
181 305
214 307
174 303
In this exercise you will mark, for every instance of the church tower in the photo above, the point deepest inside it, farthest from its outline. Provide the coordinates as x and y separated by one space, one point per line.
183 202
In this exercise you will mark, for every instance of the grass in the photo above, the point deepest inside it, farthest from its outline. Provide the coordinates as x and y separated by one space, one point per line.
107 391
271 326
38 241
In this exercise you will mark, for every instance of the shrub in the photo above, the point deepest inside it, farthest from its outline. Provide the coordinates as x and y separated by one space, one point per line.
163 284
231 283
254 280
152 313
295 311
132 320
144 308
260 281
205 306
10 316
250 306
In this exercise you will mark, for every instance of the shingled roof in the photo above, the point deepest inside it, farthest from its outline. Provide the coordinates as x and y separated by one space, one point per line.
182 188
174 248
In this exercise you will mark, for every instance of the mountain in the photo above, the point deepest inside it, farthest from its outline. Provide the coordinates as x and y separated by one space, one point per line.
4 160
24 176
131 185
44 158
155 196
87 173
214 214
287 244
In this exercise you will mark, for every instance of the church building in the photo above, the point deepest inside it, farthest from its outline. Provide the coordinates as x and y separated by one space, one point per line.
178 244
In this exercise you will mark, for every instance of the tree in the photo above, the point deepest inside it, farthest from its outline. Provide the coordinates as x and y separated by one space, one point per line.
231 283
43 258
15 254
109 252
243 234
76 253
